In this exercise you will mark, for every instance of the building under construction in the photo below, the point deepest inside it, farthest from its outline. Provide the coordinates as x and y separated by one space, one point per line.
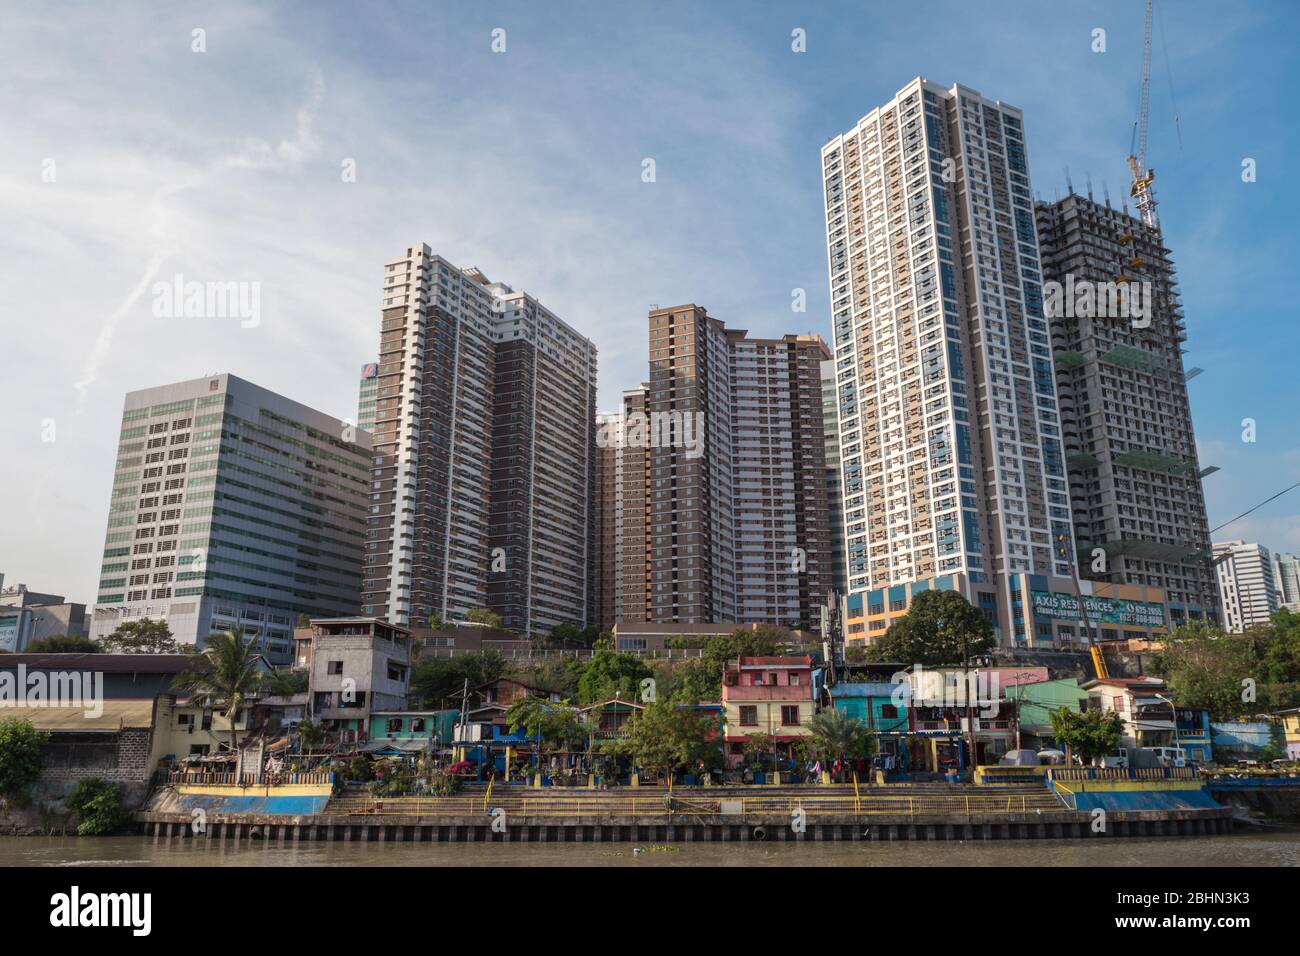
1117 334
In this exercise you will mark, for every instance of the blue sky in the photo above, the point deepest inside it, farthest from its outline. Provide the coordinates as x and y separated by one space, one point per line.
225 165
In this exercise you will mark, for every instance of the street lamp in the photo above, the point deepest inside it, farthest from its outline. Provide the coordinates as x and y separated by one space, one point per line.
1173 712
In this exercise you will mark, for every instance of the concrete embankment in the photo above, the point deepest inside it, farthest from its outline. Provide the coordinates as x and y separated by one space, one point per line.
516 814
481 828
1273 802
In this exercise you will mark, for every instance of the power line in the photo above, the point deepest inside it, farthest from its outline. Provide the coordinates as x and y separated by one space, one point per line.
1257 507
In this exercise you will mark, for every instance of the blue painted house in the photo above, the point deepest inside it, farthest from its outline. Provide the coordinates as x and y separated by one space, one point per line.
874 704
1194 733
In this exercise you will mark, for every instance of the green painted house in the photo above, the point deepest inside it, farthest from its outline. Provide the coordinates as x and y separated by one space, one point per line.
1036 703
435 727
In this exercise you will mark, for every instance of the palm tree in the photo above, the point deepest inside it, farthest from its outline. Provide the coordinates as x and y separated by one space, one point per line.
837 736
311 734
224 675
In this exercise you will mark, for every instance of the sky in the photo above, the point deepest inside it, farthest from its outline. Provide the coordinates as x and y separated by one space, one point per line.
128 157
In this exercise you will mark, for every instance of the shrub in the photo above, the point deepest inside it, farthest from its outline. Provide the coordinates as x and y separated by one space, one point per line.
443 783
97 805
20 756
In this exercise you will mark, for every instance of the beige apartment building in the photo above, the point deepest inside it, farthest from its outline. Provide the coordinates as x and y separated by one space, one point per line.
723 477
484 468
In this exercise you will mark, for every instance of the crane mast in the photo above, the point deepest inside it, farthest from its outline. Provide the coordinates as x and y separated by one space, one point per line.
1143 178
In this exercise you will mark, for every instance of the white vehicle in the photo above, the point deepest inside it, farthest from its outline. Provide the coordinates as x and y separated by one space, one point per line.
1171 756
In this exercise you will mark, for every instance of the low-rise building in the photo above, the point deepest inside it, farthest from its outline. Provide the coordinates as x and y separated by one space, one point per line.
1143 703
878 705
1290 720
772 696
27 616
355 666
1034 703
1246 738
411 731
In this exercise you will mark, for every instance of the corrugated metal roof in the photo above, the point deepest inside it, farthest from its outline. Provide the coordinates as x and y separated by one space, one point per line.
104 663
117 715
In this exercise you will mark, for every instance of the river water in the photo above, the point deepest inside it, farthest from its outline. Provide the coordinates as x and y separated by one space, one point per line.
1248 849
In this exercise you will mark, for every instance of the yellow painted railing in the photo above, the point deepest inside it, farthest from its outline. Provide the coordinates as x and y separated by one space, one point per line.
1070 797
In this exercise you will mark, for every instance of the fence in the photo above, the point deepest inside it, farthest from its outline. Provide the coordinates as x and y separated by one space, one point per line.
178 778
1122 773
582 654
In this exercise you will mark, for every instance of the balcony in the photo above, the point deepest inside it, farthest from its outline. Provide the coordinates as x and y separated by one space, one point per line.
790 692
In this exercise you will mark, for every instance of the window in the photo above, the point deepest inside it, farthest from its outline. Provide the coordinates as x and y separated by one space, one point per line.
394 725
1117 703
888 710
748 716
334 667
789 716
417 725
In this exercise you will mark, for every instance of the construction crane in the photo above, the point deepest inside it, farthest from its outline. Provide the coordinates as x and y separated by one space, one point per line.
1143 178
1066 547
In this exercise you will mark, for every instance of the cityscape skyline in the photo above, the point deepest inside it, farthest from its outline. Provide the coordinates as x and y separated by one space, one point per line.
326 322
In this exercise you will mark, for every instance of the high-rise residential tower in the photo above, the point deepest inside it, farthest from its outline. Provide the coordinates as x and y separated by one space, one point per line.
484 453
632 571
608 501
1286 580
952 465
366 393
232 506
725 515
1117 333
1246 584
834 503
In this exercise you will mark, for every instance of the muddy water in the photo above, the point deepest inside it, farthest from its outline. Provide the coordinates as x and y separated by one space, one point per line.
1250 849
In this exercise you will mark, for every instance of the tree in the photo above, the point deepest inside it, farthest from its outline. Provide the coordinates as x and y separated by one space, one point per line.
143 636
438 623
760 751
284 682
701 679
1089 733
611 674
837 736
436 681
666 738
481 615
20 756
1233 675
941 627
556 675
63 644
554 724
562 635
224 675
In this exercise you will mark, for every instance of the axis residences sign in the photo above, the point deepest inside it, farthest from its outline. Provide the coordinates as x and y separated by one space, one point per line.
1065 607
